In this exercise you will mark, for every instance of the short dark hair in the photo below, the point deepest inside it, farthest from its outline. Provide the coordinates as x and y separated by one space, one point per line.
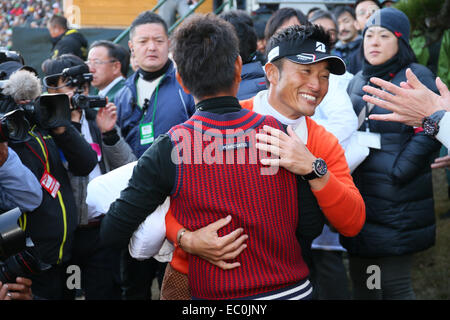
58 64
279 17
298 33
145 18
311 10
322 14
205 49
374 1
116 52
58 20
342 9
243 25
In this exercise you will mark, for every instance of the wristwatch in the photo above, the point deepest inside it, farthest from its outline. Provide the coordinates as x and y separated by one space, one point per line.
319 167
430 124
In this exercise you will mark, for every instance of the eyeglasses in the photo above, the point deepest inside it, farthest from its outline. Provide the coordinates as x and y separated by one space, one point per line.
97 62
370 11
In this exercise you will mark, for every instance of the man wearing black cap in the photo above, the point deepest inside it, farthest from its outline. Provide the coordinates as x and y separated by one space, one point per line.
299 64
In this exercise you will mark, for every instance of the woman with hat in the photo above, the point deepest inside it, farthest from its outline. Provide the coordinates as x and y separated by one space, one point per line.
395 179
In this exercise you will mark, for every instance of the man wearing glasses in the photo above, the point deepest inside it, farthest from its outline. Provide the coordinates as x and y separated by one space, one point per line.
363 10
108 63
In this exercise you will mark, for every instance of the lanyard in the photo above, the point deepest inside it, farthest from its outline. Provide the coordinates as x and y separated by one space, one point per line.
145 107
44 150
363 116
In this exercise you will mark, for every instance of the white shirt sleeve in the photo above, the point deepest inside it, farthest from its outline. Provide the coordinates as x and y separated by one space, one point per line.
148 239
335 112
444 130
105 189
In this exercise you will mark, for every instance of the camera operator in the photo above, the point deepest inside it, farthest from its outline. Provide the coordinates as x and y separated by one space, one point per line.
98 264
52 224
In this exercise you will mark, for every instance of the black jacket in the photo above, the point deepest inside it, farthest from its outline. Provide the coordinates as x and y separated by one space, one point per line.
395 182
253 80
51 226
70 42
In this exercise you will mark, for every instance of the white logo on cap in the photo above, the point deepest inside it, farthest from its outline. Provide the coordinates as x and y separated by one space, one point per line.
306 57
320 47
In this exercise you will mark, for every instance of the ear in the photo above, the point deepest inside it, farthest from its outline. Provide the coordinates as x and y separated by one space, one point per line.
180 81
117 67
272 73
130 45
238 69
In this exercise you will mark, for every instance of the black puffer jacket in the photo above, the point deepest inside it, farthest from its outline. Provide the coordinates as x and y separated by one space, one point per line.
395 182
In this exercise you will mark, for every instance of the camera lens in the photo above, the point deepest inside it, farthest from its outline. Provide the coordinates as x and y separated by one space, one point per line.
23 264
12 127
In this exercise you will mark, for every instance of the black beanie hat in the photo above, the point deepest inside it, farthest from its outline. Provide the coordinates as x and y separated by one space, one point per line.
392 19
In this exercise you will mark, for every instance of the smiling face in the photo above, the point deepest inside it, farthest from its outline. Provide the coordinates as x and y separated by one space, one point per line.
297 89
380 45
150 46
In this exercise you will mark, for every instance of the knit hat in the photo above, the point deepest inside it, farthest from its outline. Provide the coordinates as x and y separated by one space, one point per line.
392 19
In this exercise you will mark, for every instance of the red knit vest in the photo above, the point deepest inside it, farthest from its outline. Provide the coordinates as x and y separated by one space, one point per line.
265 205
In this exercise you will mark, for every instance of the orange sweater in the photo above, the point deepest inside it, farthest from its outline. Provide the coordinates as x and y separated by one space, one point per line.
339 200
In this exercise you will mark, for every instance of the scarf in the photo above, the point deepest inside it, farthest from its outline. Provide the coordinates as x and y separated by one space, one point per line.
150 76
385 71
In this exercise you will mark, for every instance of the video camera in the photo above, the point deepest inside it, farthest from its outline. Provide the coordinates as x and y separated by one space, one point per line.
14 127
77 77
18 256
48 111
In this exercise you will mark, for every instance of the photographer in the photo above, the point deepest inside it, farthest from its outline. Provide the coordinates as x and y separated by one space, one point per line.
18 186
52 224
99 265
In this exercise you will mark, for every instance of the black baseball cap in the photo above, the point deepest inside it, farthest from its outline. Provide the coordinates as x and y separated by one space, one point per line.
307 51
9 67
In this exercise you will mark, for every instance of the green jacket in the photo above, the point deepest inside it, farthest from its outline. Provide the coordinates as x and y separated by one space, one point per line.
112 92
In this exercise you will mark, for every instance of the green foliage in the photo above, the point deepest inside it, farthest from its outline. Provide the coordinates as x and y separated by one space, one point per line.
427 17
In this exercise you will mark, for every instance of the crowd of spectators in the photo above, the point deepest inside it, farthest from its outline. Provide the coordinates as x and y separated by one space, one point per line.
24 13
381 171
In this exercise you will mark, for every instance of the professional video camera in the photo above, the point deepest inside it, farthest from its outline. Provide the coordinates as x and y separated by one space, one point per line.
14 127
76 77
48 111
18 256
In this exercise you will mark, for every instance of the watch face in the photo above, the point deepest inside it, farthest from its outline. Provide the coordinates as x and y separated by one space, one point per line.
320 167
429 127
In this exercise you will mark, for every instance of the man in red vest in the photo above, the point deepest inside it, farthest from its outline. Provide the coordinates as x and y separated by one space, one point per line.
210 171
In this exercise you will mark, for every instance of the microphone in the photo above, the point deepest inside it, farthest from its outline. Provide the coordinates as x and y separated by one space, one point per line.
22 85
